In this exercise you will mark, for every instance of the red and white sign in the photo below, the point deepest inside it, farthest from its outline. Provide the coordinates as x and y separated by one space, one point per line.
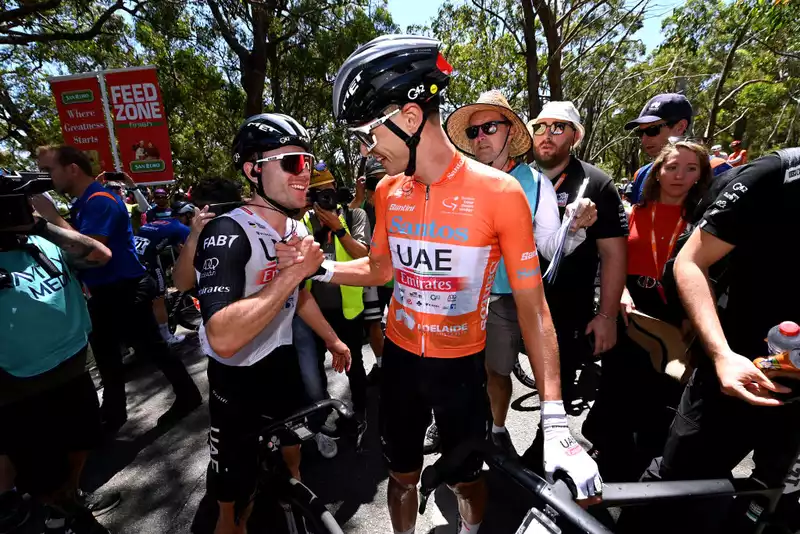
80 108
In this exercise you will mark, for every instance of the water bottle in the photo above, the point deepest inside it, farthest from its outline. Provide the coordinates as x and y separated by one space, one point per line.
783 342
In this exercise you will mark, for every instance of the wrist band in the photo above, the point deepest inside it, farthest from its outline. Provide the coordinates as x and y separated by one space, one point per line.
604 316
324 273
340 233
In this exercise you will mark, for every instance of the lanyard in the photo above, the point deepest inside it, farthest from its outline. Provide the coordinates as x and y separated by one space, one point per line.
559 181
675 234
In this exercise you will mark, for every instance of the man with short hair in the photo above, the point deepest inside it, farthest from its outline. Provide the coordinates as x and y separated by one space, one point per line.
664 116
491 132
556 132
442 224
160 209
121 291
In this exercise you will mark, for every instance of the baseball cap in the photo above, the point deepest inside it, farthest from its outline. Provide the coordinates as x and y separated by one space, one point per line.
160 191
667 106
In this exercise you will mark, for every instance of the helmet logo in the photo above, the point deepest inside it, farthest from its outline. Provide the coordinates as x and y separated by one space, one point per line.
351 90
236 157
434 89
284 140
414 92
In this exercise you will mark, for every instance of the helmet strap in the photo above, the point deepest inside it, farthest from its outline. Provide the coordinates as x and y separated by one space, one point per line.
411 142
289 212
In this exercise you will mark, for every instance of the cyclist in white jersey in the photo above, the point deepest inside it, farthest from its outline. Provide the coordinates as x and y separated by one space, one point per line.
247 307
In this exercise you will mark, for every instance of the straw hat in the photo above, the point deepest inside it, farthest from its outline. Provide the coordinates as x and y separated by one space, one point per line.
493 100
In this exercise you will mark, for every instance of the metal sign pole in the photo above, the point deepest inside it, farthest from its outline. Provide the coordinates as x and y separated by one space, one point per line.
112 137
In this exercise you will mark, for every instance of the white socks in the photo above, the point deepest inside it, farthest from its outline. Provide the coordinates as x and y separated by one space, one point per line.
498 429
466 528
406 532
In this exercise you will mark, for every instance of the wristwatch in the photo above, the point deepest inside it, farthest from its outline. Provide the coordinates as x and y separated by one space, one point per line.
340 233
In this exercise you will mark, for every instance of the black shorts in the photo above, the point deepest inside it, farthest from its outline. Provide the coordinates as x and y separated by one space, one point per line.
38 431
160 278
239 398
375 301
454 388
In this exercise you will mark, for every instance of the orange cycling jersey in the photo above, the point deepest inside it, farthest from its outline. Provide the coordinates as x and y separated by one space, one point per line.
445 242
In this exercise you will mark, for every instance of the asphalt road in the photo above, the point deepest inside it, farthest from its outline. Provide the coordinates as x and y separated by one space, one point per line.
161 471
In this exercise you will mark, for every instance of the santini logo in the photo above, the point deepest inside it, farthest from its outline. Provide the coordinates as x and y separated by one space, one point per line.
447 233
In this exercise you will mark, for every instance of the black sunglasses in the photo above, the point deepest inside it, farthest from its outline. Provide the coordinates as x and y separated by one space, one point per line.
556 128
652 131
489 128
292 162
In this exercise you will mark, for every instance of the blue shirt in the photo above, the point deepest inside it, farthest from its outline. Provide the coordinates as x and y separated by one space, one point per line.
43 320
105 217
530 179
154 236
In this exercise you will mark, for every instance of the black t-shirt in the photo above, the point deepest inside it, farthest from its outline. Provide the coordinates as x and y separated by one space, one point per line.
572 293
756 211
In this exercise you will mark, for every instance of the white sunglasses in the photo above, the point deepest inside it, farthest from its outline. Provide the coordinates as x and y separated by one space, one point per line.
292 162
364 133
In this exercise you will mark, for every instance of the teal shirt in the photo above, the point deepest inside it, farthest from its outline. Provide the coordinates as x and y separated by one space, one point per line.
43 320
530 179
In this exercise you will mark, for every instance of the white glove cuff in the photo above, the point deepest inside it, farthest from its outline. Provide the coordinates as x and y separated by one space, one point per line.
554 415
325 272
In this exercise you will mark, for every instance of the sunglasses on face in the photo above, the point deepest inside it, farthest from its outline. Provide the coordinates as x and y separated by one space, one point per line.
489 128
556 128
651 131
292 162
364 133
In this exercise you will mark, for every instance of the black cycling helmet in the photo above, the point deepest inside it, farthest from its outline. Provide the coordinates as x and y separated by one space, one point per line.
264 132
182 207
267 131
391 70
373 168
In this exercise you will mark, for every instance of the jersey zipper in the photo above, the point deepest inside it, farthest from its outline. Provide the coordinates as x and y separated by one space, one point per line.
422 291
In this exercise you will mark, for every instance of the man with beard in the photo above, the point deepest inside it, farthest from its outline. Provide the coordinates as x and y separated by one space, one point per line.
556 131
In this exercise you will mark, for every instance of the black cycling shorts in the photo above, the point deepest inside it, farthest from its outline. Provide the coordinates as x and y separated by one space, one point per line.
160 278
454 388
239 398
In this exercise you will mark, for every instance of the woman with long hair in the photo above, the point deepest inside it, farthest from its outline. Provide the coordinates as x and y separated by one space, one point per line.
629 422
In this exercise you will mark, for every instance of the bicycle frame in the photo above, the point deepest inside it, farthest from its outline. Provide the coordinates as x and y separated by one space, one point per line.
558 499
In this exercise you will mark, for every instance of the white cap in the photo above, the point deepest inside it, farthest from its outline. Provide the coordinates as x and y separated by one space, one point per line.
716 147
560 111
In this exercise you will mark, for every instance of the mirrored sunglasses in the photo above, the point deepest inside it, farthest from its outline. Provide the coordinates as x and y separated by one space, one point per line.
292 162
364 133
489 128
556 128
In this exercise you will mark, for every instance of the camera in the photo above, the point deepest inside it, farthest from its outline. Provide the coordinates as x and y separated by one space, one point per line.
326 198
15 192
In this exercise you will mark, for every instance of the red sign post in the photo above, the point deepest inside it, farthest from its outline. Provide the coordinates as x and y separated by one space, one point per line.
80 109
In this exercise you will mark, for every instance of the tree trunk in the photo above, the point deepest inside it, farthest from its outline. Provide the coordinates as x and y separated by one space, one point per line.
723 77
531 60
254 77
550 29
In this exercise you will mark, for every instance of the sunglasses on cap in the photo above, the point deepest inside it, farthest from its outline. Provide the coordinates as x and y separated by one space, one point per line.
321 166
489 128
291 162
556 128
364 133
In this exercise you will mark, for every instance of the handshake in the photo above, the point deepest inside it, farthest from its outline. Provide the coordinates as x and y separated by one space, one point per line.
302 256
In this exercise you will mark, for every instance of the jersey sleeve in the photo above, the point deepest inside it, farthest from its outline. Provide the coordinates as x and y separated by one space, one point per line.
380 239
360 230
181 234
546 222
515 238
612 221
223 251
742 205
98 216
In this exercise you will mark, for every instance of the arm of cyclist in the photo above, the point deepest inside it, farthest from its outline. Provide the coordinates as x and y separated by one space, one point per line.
183 274
561 451
309 312
230 320
738 376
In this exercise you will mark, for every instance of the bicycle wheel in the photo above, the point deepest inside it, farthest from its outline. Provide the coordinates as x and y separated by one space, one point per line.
187 315
315 517
522 375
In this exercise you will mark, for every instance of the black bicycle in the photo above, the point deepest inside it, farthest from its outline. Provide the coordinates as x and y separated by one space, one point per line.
555 510
302 512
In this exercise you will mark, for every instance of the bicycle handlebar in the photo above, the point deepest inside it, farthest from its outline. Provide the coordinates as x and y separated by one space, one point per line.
324 405
558 496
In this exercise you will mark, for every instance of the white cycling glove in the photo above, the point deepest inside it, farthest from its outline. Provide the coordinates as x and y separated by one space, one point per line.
562 452
324 273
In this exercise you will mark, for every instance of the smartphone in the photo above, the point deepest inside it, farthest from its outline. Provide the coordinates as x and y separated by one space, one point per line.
224 207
